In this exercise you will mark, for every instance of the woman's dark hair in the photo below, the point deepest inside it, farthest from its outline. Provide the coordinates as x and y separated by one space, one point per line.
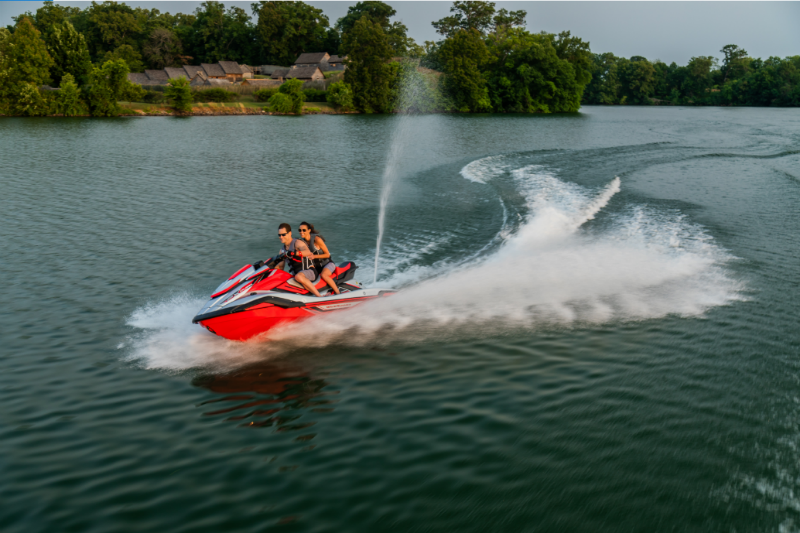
285 226
310 226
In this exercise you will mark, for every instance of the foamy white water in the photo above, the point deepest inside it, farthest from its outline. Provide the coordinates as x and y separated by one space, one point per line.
644 265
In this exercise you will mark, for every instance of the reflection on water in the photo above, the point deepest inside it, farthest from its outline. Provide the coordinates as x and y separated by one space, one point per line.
267 395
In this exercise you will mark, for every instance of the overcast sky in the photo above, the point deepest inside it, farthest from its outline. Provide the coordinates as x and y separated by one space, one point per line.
670 31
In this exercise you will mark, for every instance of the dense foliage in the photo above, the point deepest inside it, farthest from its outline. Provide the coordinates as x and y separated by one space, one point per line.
485 61
180 94
339 94
263 95
493 64
369 73
293 89
739 80
217 94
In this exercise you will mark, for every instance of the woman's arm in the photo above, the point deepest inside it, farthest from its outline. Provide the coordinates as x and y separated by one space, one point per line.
319 243
303 249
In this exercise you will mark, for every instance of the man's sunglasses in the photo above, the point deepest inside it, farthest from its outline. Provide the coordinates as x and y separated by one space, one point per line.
282 234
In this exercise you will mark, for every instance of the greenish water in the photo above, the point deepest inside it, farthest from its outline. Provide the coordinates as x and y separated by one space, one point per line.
568 352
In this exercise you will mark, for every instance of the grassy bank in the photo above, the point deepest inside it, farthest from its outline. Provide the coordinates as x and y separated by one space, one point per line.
244 107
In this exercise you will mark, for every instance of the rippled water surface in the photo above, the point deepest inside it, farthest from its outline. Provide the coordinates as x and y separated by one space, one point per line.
596 328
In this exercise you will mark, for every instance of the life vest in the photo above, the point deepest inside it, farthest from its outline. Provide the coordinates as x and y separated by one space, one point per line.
297 264
319 263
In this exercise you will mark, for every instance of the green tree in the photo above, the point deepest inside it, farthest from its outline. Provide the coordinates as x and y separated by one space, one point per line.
70 54
108 26
368 71
733 62
49 16
128 54
698 79
180 93
504 20
339 93
280 103
637 80
24 66
527 75
379 12
293 88
462 57
604 87
162 49
222 35
108 84
68 100
30 102
577 52
287 29
468 15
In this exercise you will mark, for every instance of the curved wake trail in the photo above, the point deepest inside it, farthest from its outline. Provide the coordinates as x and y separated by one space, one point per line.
643 265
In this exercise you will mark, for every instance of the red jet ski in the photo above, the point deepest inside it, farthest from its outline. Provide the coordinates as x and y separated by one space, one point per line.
258 297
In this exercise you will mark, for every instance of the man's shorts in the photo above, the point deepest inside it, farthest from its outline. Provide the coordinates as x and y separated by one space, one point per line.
330 267
310 274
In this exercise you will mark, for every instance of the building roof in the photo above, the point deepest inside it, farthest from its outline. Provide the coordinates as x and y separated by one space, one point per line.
280 73
139 78
192 71
213 70
230 67
303 73
173 72
246 69
218 83
263 83
269 69
158 75
318 57
336 59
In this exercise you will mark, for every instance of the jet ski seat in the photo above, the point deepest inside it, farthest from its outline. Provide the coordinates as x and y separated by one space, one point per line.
294 283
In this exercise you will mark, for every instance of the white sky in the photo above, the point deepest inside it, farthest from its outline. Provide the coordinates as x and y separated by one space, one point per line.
670 31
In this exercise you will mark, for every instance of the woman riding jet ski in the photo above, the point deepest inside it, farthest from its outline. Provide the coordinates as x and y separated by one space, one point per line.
259 297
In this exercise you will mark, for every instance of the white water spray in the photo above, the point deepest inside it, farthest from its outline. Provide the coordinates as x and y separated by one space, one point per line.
642 264
413 87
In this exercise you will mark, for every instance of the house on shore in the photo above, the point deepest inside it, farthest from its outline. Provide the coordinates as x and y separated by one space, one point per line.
214 71
279 73
311 60
301 73
335 63
266 70
225 71
322 60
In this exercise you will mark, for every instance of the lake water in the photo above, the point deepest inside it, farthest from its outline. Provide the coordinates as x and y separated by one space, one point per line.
597 328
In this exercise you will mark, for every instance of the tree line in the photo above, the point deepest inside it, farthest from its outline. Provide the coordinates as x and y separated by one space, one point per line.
484 61
737 80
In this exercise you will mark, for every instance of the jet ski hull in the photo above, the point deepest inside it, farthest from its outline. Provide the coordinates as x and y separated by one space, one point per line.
256 299
259 319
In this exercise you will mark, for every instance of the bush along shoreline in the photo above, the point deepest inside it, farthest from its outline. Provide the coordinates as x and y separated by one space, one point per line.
67 61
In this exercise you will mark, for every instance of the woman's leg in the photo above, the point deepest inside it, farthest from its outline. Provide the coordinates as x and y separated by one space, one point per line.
305 282
326 276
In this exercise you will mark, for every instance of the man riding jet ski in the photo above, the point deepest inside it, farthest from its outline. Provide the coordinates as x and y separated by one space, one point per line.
261 296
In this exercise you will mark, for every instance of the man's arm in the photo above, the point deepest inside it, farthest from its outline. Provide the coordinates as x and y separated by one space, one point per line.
303 249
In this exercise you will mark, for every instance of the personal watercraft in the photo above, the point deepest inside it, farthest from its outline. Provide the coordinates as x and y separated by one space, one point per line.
259 297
